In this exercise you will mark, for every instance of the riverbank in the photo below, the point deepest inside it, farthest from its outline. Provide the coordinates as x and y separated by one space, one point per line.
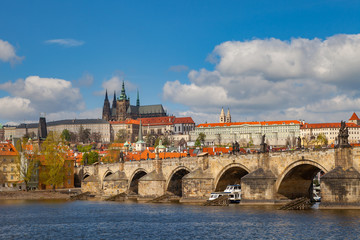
33 195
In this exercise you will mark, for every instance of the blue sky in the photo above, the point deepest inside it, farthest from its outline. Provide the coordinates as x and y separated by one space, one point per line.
265 60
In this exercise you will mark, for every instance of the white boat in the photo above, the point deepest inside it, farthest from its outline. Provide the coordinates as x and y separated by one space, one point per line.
233 191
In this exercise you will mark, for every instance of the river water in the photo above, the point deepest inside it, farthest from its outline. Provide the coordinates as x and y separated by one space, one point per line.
111 220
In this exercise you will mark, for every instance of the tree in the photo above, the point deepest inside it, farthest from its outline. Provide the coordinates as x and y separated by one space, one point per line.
85 148
151 140
54 153
84 134
121 136
65 135
321 140
73 137
95 137
201 138
197 143
166 141
91 157
27 163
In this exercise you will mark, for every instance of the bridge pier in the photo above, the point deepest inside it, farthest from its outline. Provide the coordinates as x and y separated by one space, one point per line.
340 187
152 185
258 187
197 186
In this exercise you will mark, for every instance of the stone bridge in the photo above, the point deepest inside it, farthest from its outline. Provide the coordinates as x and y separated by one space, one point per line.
264 178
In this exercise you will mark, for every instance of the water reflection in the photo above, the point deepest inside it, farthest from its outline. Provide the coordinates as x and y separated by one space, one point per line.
103 220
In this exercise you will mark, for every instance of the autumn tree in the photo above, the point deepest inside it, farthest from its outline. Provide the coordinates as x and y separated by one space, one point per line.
53 152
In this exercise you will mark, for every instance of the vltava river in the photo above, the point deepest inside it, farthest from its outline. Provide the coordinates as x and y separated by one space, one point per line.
104 220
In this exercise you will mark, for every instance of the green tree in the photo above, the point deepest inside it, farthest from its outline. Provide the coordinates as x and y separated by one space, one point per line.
201 138
197 143
54 153
65 135
90 157
84 148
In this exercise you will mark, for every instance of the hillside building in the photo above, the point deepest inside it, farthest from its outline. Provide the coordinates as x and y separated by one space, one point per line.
122 110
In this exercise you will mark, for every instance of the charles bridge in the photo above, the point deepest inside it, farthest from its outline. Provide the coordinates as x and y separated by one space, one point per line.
265 178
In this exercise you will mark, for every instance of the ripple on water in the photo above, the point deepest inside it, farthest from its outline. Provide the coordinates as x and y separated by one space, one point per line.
103 220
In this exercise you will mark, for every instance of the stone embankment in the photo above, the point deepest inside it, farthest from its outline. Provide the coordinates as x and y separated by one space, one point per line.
34 195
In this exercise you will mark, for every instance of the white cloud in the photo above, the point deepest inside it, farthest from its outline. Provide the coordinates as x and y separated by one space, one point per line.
115 84
36 94
13 108
178 68
68 42
274 79
7 53
86 80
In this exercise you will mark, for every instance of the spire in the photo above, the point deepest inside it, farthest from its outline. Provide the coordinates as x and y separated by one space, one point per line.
114 101
106 96
222 116
123 93
106 108
140 138
138 99
228 116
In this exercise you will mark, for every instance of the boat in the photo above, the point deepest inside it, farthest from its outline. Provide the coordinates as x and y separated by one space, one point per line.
233 191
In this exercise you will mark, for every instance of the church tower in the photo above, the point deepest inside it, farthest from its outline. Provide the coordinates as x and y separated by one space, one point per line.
113 108
222 116
228 116
122 105
106 109
138 99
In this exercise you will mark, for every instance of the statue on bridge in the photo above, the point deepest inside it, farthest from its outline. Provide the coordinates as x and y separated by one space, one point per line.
299 142
343 136
263 145
235 148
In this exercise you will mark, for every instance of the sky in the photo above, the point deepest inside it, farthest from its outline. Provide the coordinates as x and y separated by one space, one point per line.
263 60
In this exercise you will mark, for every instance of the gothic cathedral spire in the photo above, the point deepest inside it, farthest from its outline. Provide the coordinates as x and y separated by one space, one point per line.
106 108
138 99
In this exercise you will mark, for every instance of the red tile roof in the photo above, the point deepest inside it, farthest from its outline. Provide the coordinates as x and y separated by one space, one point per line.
127 121
184 120
354 117
157 121
264 123
327 125
7 149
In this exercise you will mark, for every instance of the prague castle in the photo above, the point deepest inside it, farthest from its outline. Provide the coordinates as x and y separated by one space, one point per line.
122 110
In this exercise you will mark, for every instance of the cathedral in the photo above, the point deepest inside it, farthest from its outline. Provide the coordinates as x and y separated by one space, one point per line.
122 110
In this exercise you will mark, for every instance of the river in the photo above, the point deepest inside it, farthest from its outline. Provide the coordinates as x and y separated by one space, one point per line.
111 220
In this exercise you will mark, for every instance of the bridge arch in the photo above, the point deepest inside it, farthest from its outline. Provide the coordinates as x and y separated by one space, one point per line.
107 173
174 183
86 175
296 180
134 180
230 174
